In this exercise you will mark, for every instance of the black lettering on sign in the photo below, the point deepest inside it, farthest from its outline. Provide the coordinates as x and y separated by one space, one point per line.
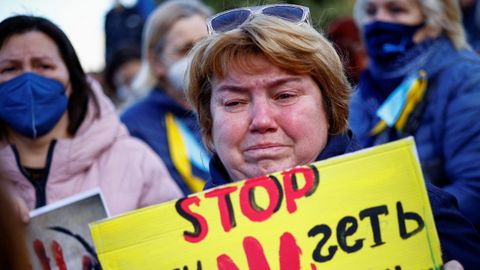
348 226
397 267
317 253
199 266
373 213
402 219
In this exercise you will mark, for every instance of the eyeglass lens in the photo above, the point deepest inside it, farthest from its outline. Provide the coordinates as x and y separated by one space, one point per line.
294 14
230 20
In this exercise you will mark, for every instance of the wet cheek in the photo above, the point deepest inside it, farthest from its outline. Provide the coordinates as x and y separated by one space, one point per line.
228 131
222 131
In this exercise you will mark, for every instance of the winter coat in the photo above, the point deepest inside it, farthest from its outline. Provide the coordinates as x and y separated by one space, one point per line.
146 120
458 238
100 154
448 127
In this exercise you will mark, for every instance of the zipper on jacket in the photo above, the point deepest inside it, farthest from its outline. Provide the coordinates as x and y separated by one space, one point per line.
39 185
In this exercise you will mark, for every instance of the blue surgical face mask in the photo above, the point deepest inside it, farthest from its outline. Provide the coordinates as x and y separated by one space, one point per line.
32 104
387 41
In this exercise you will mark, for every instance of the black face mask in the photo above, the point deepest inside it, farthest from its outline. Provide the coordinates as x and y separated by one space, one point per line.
387 41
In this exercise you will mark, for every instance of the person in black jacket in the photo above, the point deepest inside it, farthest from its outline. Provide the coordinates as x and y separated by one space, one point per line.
270 93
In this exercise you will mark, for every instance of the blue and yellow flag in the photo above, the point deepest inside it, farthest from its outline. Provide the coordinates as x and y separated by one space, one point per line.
396 109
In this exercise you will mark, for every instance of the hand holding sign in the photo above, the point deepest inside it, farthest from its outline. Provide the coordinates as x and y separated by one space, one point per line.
453 265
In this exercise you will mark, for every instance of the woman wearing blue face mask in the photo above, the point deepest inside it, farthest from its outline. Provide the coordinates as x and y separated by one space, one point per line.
59 134
422 80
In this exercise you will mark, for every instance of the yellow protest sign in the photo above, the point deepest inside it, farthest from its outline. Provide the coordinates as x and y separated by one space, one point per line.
366 210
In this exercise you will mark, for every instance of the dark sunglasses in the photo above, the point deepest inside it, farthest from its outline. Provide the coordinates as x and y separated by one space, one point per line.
234 18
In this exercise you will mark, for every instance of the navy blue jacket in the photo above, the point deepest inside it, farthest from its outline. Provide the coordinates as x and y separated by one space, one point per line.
448 132
459 239
146 120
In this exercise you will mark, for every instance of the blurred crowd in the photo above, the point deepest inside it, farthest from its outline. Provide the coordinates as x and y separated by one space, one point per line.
131 131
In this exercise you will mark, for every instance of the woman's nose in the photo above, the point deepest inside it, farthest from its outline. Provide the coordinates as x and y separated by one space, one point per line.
262 117
25 68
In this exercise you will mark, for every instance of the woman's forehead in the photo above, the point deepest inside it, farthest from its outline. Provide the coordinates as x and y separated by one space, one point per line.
32 43
247 64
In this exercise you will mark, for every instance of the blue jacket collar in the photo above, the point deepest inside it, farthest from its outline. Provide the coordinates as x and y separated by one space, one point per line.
164 101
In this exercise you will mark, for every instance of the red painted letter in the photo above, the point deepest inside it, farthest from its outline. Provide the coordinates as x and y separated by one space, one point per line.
292 191
224 206
248 204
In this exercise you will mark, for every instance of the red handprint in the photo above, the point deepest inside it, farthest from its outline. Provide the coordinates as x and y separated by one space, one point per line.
58 254
40 252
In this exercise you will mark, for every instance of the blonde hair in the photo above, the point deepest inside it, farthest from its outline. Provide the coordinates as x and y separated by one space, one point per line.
442 14
158 24
296 48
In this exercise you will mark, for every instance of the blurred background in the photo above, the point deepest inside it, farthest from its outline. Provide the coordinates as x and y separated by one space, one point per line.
98 27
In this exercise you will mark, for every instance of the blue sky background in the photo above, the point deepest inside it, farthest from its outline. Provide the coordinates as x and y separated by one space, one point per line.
81 20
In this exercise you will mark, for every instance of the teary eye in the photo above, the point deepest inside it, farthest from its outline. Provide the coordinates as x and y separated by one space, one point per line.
7 69
231 103
286 97
45 66
234 105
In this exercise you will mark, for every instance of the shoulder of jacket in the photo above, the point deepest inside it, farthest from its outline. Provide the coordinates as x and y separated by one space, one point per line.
439 198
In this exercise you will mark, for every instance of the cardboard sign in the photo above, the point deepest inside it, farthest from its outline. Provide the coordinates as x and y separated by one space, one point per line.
366 210
58 235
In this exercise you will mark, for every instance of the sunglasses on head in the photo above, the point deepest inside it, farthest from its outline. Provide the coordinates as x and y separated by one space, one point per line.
234 18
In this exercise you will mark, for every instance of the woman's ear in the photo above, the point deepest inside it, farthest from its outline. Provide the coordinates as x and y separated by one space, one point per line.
68 89
428 31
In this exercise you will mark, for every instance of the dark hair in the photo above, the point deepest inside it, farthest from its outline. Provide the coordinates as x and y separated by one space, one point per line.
81 91
116 61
